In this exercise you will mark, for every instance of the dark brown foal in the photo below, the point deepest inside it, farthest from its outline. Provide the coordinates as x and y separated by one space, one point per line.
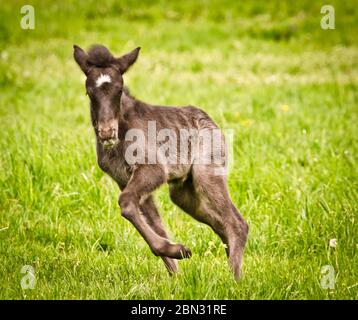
142 147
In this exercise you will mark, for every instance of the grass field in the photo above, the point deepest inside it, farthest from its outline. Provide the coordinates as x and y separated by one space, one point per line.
265 69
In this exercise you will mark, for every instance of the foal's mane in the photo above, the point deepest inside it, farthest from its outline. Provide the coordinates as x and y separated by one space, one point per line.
99 56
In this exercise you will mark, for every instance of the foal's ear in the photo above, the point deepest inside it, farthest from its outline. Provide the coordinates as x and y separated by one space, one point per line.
81 58
124 62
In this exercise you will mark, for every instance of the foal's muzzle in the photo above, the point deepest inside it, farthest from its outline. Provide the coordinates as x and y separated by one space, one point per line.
108 134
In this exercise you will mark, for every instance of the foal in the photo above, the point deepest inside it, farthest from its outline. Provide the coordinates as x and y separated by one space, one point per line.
197 187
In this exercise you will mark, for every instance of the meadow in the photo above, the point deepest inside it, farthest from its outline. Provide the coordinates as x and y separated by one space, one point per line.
265 69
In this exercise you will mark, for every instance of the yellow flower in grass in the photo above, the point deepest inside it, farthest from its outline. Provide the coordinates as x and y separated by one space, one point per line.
285 108
246 122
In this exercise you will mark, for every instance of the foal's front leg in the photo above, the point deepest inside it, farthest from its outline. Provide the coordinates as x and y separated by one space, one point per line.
152 217
145 179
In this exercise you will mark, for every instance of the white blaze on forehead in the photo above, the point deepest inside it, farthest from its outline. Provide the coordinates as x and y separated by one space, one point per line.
102 79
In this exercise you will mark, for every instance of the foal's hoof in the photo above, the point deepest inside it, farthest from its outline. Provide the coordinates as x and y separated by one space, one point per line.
185 252
175 251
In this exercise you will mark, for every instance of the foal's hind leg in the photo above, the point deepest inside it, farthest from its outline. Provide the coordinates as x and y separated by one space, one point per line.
186 198
216 207
152 217
205 197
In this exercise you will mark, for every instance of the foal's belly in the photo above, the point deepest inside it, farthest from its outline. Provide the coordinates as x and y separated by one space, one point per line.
119 170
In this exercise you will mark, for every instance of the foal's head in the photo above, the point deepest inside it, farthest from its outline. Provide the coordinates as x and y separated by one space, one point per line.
104 85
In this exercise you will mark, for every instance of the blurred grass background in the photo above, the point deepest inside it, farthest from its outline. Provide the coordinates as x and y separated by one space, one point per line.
263 68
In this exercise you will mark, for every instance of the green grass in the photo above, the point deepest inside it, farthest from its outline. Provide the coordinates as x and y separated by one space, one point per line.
265 69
